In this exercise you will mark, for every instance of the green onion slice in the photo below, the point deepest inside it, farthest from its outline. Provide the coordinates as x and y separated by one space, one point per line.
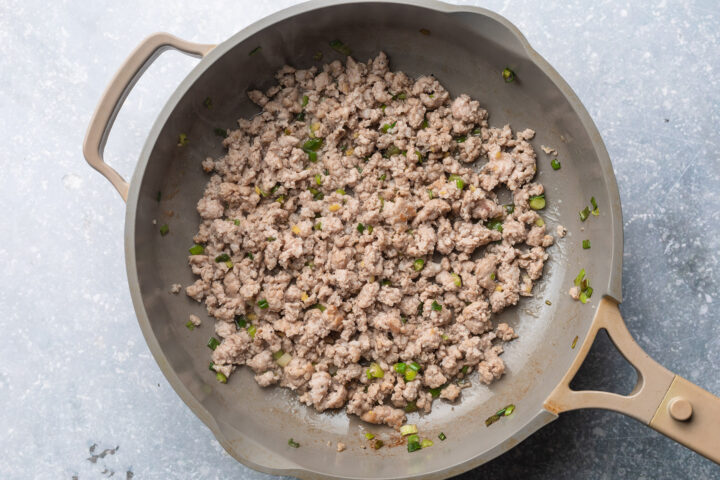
410 375
262 303
419 264
220 377
400 367
555 164
442 436
164 229
595 210
426 442
456 279
213 343
375 371
436 306
584 213
508 75
586 244
537 202
340 47
293 443
495 224
414 366
410 429
196 249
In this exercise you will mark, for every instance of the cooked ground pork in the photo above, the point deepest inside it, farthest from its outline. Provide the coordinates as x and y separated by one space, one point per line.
353 225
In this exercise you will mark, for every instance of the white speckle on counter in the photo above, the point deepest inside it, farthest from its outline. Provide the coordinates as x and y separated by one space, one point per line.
96 401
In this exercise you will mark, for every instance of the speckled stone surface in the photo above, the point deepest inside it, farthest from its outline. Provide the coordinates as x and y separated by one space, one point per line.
81 396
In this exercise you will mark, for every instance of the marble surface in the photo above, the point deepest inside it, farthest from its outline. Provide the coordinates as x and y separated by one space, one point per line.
81 396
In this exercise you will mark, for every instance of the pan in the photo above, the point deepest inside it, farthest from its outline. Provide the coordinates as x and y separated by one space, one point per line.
466 48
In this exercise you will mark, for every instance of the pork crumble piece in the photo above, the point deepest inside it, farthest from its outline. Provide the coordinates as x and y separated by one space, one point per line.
354 246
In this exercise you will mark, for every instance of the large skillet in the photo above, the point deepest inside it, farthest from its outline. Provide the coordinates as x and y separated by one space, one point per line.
466 50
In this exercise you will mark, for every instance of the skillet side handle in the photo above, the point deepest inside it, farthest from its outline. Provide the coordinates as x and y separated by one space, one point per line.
664 401
116 92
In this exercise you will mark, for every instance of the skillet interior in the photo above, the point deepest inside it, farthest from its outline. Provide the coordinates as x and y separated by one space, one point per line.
466 52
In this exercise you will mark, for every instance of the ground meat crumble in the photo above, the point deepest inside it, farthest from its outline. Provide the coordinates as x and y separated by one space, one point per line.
354 224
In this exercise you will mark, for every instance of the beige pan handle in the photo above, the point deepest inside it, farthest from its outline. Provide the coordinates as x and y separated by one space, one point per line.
667 402
115 94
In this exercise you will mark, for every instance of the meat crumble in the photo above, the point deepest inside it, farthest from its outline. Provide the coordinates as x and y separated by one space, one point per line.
355 248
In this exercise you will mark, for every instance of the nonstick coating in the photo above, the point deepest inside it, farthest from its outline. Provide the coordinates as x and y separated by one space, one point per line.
466 50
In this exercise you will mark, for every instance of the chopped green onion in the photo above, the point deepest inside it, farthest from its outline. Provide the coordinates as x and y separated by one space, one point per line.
196 249
419 264
580 277
465 369
388 126
426 442
262 303
236 222
537 202
456 279
436 306
360 228
442 436
461 139
313 145
341 191
340 47
584 213
182 140
229 264
424 123
271 239
278 354
375 371
430 194
190 325
254 51
419 156
495 224
392 150
300 117
382 177
595 210
319 306
250 256
508 410
410 407
386 282
210 367
221 132
492 276
293 443
413 443
383 107
555 164
459 182
223 257
220 377
317 194
400 96
414 366
435 392
586 244
400 367
305 100
370 228
445 337
477 131
378 444
508 75
410 375
318 179
252 330
240 321
207 103
509 208
318 226
369 435
164 229
406 430
539 222
213 343
284 359
382 203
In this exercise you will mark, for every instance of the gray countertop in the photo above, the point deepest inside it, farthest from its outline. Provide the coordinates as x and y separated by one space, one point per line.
80 394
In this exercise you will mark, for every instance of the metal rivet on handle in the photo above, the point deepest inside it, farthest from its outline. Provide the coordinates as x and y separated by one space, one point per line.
680 409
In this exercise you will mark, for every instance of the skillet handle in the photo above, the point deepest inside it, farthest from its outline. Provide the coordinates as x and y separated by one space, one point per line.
116 92
666 402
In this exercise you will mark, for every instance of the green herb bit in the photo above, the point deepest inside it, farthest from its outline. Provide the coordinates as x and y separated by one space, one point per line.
360 228
456 279
313 145
508 75
386 282
223 257
319 306
392 150
213 343
383 107
442 436
252 330
430 194
207 103
586 294
410 375
414 366
375 371
410 407
584 213
255 50
229 264
492 276
400 367
370 228
413 443
340 47
305 100
382 177
580 277
465 369
459 182
424 124
341 191
548 302
318 56
318 179
236 222
461 139
300 117
293 443
586 244
190 325
280 199
555 164
409 429
537 202
220 377
400 96
262 303
210 367
240 321
369 435
250 255
382 203
509 208
419 156
477 131
221 132
436 306
378 444
595 210
318 226
388 126
426 442
271 239
359 169
419 264
182 140
495 224
435 393
164 229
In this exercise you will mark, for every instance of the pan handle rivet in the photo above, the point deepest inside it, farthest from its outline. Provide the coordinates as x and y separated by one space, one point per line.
680 409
